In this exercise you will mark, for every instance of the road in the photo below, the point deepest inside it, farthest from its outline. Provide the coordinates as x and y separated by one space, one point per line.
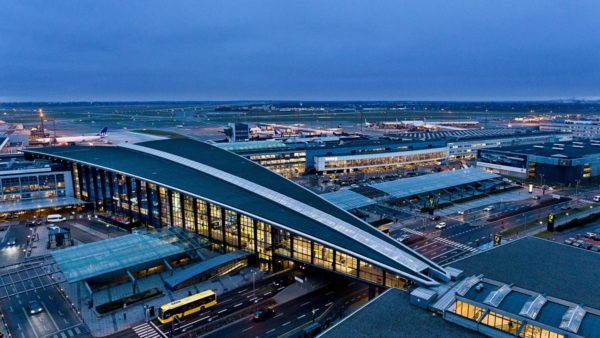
23 283
296 313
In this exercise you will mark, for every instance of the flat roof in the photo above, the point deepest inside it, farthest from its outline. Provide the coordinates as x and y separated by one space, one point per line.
566 150
348 199
391 315
542 266
474 134
406 187
117 254
152 161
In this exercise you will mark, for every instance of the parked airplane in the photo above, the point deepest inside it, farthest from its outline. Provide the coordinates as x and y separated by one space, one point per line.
75 139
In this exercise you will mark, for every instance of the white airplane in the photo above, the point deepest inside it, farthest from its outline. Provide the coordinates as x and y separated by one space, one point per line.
75 139
369 124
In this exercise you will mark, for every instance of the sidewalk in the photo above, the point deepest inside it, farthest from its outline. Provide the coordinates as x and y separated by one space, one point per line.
103 325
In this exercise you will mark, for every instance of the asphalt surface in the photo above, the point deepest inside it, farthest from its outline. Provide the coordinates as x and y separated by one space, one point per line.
294 314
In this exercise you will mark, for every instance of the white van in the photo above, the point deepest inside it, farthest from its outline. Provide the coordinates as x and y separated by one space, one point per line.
55 218
597 198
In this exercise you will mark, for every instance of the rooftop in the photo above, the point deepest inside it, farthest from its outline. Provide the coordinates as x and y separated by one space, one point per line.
566 150
116 255
542 266
235 182
391 313
410 186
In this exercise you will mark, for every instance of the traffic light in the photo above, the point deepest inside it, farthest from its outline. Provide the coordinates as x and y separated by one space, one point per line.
497 239
550 225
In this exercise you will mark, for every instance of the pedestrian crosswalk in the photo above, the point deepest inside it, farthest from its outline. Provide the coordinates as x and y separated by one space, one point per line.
146 331
70 332
413 231
456 244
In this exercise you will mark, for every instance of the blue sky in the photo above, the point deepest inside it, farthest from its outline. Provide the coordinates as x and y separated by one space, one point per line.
326 50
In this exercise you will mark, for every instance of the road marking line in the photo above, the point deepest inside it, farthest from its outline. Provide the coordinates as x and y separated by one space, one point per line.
270 331
236 305
268 293
246 329
279 315
222 311
302 316
326 305
242 290
287 323
301 305
30 323
50 315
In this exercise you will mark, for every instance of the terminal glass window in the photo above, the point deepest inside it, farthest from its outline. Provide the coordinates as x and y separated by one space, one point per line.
60 180
345 264
231 228
188 211
143 203
283 242
153 203
263 241
202 217
29 183
501 322
164 205
323 256
302 249
532 331
247 232
76 186
122 189
47 182
470 311
10 185
371 273
176 208
83 180
396 281
133 195
216 223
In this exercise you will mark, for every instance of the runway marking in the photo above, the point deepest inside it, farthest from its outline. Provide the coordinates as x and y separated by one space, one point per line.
246 329
236 305
286 323
300 317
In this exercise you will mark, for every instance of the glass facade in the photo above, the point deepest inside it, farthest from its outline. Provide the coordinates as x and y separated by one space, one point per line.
227 230
32 186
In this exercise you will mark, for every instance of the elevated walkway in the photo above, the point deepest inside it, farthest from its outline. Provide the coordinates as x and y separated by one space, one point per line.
216 266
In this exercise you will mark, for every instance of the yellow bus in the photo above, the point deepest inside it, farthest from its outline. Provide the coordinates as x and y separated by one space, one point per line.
187 306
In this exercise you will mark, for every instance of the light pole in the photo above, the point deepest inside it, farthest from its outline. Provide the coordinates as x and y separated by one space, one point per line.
576 187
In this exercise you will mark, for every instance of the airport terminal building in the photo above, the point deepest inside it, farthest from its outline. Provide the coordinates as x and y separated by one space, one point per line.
237 204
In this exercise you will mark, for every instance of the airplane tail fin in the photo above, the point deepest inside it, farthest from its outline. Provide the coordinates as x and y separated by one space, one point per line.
103 132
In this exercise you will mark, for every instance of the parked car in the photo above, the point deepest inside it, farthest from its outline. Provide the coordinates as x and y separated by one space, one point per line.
462 212
440 225
488 208
596 198
569 241
590 235
262 314
402 238
595 248
55 218
578 243
435 218
586 246
34 307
